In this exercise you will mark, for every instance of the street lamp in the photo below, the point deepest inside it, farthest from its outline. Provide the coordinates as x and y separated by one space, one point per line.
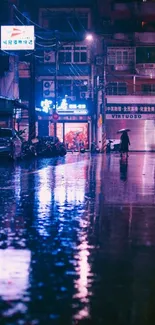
89 37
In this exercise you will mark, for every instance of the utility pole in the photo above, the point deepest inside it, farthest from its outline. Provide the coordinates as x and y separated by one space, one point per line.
32 111
56 83
104 100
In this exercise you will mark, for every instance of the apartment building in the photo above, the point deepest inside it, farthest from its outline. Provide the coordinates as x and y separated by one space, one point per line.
8 75
129 32
65 61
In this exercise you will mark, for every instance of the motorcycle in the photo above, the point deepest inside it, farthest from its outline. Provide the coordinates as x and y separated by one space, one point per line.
28 150
50 147
60 149
112 147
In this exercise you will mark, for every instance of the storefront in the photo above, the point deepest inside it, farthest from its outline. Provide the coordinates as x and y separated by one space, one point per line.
140 119
72 132
72 127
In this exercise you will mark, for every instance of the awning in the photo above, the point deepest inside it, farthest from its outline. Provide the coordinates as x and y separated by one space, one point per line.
18 104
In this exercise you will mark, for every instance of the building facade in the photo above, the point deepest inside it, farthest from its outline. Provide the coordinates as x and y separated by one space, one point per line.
9 91
129 32
65 72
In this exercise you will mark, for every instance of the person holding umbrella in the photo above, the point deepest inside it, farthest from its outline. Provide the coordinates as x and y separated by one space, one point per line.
125 142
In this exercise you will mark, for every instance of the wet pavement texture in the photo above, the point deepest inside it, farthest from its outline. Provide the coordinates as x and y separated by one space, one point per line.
77 241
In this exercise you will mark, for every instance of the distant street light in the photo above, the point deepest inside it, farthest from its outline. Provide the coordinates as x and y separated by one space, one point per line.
89 37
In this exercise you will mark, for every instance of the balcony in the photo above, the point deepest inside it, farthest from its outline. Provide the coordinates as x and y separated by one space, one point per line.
145 37
146 69
121 67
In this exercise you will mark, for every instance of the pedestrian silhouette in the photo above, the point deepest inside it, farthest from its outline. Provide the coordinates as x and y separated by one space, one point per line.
125 142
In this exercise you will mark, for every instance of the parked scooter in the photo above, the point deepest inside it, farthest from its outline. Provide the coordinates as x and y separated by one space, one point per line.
94 148
28 148
60 149
50 147
112 147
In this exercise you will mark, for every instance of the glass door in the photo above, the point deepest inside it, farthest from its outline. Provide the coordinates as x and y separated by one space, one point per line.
76 134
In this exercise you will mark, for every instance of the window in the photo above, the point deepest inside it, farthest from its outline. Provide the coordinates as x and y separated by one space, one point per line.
72 87
79 86
125 57
64 87
117 88
119 59
147 89
64 21
145 54
78 20
120 56
73 54
76 57
80 54
111 58
65 57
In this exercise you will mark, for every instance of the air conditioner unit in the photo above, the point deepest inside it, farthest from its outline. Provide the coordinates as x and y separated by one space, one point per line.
49 56
99 60
48 88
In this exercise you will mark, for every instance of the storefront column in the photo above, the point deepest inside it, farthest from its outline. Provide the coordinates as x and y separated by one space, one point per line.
43 128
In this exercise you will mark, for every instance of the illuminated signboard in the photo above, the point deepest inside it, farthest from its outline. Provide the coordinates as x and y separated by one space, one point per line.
128 108
17 38
63 109
130 116
46 105
72 109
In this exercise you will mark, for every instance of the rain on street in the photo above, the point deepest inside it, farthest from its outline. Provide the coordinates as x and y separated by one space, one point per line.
77 241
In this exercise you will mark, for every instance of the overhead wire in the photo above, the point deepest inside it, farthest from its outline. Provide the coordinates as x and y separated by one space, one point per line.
9 53
42 38
38 26
47 39
75 70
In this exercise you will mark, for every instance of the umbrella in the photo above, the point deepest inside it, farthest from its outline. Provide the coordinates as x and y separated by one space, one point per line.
123 130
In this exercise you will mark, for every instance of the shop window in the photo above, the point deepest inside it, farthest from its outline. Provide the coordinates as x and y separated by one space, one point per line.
76 134
117 88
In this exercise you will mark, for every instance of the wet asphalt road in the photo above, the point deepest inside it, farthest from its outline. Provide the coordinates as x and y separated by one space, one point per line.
77 241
